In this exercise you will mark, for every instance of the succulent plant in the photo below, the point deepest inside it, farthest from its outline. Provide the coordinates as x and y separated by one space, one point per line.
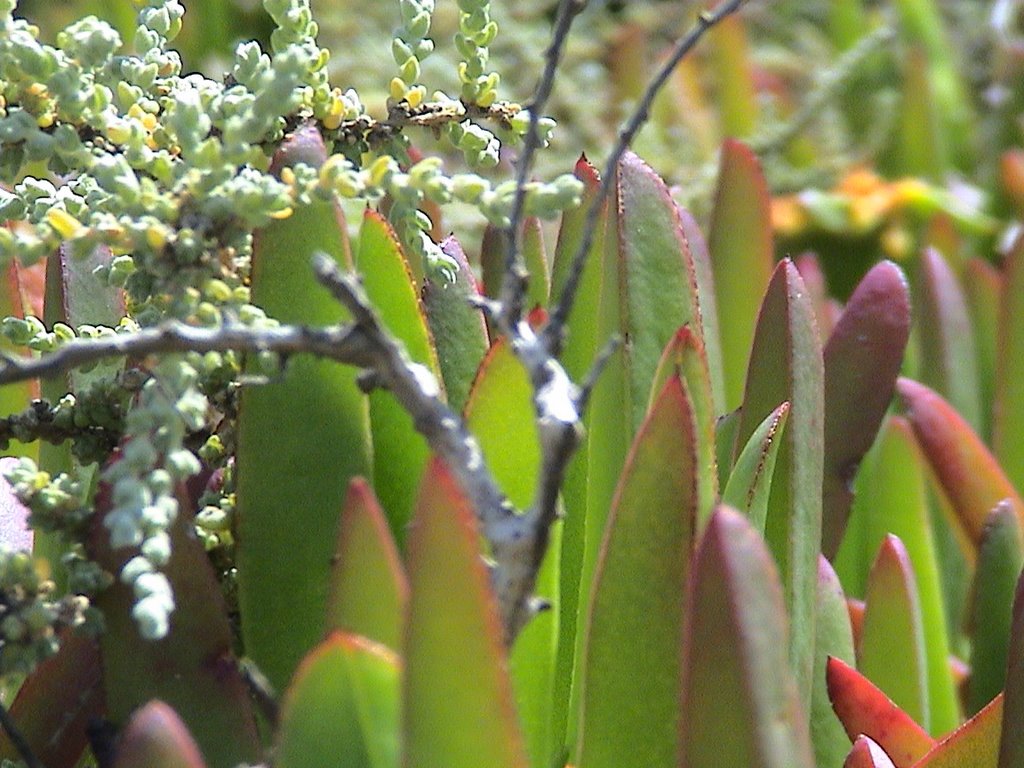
635 489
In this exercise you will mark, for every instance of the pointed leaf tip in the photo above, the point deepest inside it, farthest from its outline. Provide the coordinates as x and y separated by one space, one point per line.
969 474
155 737
867 754
862 708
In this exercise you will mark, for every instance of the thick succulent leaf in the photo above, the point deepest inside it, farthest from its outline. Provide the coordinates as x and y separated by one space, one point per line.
892 497
1008 409
155 737
56 702
833 636
493 254
368 585
193 669
727 428
532 663
704 274
971 477
458 329
588 330
291 483
740 243
867 754
659 288
892 611
740 704
862 360
630 714
975 744
786 365
921 149
948 362
500 413
342 708
750 481
1011 745
1000 558
685 357
983 285
456 691
399 451
864 709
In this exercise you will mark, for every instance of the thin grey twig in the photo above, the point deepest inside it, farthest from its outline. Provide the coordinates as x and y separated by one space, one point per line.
18 739
514 284
554 331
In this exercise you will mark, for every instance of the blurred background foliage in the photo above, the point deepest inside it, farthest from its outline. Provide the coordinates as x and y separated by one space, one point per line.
844 101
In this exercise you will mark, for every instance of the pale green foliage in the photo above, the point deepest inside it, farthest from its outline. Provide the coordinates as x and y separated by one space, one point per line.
171 173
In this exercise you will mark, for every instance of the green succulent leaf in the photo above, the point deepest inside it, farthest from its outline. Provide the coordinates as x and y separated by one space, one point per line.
983 285
786 365
458 328
155 737
892 610
833 636
369 590
740 704
740 244
291 487
1008 408
948 361
342 707
457 696
750 481
892 497
630 709
400 452
1000 559
1011 744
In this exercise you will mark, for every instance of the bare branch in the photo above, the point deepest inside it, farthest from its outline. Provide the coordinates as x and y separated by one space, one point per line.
554 331
514 284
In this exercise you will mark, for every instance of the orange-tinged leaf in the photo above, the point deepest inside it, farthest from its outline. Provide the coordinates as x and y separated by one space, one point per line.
630 714
867 754
863 708
457 694
368 585
970 476
740 244
975 744
740 704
